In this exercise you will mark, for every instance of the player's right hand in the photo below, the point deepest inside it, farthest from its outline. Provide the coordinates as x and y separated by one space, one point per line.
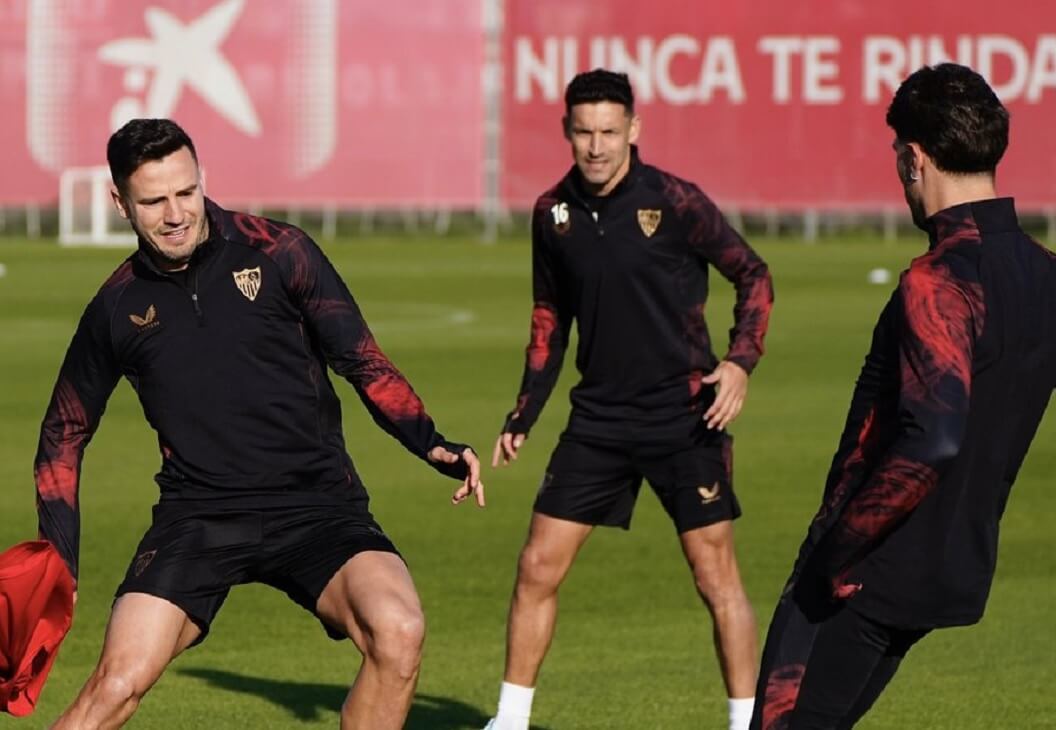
506 448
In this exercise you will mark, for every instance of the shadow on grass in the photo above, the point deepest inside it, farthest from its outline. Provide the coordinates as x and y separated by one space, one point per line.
309 701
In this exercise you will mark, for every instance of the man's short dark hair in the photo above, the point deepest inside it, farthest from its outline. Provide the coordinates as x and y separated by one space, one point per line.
591 87
954 115
143 140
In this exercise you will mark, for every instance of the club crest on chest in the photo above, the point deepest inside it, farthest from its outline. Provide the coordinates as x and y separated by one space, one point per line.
649 220
248 282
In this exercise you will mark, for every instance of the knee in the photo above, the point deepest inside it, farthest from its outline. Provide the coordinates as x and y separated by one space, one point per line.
537 570
116 685
717 582
397 642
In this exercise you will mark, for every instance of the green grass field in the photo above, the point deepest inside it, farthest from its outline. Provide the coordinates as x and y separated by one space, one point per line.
633 645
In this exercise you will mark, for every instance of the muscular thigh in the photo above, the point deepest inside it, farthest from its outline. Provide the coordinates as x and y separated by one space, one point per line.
143 635
370 590
310 548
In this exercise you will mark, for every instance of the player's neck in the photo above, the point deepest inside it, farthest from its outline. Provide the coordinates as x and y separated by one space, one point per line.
954 190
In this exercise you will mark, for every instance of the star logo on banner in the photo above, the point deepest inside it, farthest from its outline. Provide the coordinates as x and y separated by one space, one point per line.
183 54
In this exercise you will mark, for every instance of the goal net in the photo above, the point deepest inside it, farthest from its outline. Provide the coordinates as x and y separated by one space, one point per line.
86 213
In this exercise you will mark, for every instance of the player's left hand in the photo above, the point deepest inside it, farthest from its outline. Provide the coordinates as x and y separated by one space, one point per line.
731 383
471 484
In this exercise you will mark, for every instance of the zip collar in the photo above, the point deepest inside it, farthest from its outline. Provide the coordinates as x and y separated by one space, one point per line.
970 220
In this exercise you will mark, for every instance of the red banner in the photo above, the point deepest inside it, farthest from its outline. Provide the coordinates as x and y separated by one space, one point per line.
290 102
776 104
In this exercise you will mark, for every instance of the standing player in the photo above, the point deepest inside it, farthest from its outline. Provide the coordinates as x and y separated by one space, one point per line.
961 367
624 248
224 324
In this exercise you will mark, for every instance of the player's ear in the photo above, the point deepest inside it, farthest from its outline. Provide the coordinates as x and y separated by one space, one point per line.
566 127
636 128
909 161
915 156
119 202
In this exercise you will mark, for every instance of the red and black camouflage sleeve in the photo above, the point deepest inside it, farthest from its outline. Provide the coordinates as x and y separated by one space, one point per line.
348 345
550 329
941 319
714 241
88 376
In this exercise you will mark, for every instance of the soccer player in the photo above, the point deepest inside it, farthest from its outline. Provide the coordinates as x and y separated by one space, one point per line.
224 324
623 249
961 367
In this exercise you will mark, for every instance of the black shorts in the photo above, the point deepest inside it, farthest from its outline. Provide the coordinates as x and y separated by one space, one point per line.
194 552
596 482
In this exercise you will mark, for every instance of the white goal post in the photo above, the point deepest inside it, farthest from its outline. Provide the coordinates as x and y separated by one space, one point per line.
86 213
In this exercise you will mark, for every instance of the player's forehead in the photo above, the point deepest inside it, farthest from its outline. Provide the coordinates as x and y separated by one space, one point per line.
172 173
599 115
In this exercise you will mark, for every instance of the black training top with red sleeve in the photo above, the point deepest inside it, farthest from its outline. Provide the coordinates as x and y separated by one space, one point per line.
229 361
961 368
632 270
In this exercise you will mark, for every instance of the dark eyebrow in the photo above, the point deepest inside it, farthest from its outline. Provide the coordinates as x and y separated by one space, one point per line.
157 199
603 130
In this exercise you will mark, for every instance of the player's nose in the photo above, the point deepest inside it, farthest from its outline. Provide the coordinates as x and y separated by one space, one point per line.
173 212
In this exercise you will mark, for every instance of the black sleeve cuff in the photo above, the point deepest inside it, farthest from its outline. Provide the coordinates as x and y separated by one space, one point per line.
457 470
516 425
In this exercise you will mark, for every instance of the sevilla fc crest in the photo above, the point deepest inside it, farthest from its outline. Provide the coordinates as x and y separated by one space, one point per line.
248 282
143 561
649 220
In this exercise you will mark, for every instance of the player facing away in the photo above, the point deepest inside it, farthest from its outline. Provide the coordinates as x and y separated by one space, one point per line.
961 368
623 249
224 324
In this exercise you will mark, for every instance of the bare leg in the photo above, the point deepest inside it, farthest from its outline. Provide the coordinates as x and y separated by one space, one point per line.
711 557
145 633
547 555
372 599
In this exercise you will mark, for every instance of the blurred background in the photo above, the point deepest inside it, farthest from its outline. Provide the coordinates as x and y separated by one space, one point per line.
432 111
404 133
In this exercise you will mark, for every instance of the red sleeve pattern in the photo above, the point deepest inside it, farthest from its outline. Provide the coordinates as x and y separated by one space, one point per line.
941 319
715 242
88 376
336 323
551 324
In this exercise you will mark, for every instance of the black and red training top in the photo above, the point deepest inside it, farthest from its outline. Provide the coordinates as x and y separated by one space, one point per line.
229 360
631 269
961 368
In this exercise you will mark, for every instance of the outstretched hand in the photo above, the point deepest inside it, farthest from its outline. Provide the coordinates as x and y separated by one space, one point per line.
731 383
506 448
471 484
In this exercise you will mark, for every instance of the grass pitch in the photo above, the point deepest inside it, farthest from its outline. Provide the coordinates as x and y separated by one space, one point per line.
633 645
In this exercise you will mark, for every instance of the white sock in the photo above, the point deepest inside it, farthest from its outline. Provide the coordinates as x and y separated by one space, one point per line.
741 712
515 707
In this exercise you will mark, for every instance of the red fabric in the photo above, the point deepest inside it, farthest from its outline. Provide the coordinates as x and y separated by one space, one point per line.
36 608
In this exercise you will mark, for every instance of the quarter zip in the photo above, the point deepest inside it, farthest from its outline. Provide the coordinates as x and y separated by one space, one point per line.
194 300
581 203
